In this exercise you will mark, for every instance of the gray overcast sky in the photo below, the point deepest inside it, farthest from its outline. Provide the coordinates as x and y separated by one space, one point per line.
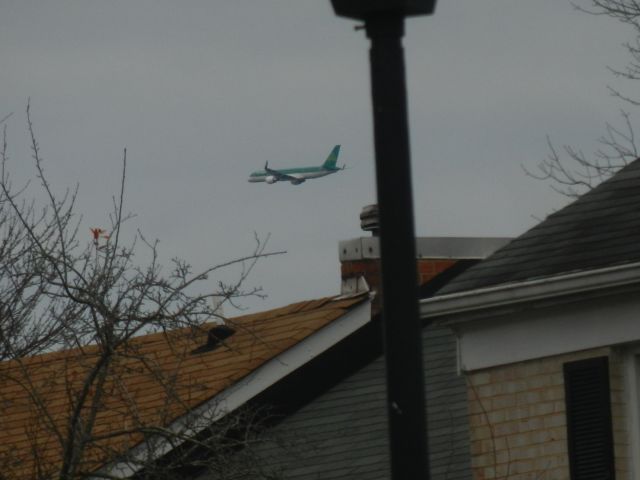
203 92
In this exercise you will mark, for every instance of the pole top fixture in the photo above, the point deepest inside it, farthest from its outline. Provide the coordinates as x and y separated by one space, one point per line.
365 9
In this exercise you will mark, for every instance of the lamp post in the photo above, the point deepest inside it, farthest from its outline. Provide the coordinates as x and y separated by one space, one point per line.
384 24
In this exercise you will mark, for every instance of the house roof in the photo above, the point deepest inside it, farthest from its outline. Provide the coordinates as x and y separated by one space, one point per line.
153 382
600 229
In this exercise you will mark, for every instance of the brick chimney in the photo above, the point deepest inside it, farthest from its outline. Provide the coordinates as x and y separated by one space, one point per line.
360 257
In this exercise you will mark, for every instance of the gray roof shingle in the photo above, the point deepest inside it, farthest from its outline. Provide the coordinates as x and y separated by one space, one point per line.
599 229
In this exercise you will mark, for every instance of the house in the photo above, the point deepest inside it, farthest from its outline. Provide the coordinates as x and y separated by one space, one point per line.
548 332
311 372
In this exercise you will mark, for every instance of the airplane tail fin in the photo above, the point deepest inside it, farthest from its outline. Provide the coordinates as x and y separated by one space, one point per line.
331 160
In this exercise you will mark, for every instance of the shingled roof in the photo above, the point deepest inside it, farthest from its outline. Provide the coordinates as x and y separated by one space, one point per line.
157 379
599 229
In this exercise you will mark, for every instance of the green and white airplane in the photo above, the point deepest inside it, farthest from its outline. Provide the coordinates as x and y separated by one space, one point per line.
298 175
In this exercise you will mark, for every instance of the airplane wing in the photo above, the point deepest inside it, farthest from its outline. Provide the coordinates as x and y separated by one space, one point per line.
281 176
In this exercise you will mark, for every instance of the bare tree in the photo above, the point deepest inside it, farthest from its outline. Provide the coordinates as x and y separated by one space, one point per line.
99 308
572 172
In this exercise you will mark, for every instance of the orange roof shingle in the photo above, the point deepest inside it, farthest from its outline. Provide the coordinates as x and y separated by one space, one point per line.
152 382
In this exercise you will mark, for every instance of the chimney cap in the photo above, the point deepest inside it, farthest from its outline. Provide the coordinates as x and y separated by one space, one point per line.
369 219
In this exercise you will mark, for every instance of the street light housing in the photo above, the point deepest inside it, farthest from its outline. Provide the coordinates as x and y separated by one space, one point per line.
365 9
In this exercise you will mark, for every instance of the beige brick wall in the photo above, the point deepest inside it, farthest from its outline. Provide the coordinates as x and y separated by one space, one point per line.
518 424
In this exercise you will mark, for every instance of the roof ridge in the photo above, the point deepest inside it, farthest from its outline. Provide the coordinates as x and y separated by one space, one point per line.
151 337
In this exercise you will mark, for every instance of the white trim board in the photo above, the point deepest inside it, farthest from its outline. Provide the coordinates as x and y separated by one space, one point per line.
426 247
544 332
462 306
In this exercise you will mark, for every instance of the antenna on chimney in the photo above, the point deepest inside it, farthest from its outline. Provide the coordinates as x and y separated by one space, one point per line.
369 219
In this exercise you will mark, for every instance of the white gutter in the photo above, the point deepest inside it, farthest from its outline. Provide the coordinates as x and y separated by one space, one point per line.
241 392
510 295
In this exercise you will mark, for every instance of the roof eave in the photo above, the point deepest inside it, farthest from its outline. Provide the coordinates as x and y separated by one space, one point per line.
475 304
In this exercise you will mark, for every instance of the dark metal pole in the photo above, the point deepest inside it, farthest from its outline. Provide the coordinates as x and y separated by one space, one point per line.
402 328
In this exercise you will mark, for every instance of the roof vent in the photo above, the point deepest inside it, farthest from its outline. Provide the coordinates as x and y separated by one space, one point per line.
216 336
369 220
219 333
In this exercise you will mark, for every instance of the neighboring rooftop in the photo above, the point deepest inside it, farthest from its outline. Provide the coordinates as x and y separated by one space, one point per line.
599 229
158 379
426 247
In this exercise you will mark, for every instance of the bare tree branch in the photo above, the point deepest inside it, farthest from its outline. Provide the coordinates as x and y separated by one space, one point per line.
90 298
568 170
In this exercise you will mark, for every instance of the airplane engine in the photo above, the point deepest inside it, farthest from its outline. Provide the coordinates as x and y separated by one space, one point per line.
270 179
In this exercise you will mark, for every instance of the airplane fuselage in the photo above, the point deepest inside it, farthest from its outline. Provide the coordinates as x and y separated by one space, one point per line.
301 174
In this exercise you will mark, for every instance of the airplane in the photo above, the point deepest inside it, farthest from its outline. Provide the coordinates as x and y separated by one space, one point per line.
298 175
